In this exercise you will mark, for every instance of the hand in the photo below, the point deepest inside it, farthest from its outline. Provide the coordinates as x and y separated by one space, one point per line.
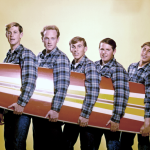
1 119
83 122
18 110
145 129
113 126
52 116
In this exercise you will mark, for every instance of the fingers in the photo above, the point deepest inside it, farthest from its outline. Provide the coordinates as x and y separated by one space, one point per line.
83 122
52 116
17 113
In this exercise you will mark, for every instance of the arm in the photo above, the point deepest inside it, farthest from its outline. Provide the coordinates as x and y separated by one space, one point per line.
121 95
92 91
28 64
145 129
61 76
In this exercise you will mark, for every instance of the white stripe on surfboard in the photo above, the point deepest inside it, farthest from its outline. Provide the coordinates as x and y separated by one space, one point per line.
49 85
16 91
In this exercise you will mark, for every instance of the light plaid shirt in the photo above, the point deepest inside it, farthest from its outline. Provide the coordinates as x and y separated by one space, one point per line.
119 78
60 64
92 81
28 63
142 75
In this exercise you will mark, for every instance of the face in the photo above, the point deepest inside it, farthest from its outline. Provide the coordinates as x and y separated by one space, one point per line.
106 52
145 54
78 51
14 36
50 39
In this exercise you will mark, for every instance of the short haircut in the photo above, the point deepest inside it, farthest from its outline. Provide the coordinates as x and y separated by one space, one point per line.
50 27
12 24
146 43
76 40
109 41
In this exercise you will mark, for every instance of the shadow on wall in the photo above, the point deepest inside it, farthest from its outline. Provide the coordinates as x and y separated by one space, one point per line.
127 6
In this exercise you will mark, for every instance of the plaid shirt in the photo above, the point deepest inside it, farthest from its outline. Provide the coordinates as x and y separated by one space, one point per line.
87 67
119 78
28 63
142 75
60 64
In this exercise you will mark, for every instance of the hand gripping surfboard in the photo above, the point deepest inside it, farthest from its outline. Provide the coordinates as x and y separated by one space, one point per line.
40 102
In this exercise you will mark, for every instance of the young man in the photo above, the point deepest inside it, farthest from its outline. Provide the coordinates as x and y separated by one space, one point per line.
140 73
110 68
47 134
17 124
82 64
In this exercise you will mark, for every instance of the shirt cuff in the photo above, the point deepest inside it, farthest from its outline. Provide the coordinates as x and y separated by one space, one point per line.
115 118
21 103
84 114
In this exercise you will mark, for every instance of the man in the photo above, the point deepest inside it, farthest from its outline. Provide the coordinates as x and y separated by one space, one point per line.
47 134
82 64
140 73
17 124
110 68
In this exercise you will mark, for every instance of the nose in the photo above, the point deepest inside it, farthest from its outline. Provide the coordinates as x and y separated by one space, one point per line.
49 41
11 34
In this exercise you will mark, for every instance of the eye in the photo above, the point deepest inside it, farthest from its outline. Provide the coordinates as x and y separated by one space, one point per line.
72 46
79 46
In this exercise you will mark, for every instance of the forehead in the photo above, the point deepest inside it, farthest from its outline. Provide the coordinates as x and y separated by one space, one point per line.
104 45
146 46
13 28
78 43
49 33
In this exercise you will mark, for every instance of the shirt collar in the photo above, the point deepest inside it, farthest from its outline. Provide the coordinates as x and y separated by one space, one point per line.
109 64
50 54
17 50
80 62
145 67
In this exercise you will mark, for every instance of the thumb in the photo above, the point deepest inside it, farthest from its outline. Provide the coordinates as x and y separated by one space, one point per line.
47 115
108 122
11 106
141 129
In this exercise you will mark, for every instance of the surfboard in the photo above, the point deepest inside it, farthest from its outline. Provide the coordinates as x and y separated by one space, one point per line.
40 102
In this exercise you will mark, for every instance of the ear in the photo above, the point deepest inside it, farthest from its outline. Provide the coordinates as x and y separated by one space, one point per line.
114 51
85 49
57 39
21 35
42 39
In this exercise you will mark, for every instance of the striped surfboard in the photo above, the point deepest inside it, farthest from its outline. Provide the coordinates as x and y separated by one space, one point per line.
40 102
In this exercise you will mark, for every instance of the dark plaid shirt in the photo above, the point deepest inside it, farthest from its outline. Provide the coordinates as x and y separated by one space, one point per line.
92 81
119 78
28 63
142 75
60 64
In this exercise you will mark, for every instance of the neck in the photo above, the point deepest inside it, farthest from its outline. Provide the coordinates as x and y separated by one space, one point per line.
141 64
13 47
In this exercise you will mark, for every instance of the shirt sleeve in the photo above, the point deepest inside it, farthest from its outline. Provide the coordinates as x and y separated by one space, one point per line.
147 97
92 89
28 76
121 95
61 74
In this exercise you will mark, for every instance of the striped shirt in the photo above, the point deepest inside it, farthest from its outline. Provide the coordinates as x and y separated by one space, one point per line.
60 64
142 75
119 78
92 81
28 63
